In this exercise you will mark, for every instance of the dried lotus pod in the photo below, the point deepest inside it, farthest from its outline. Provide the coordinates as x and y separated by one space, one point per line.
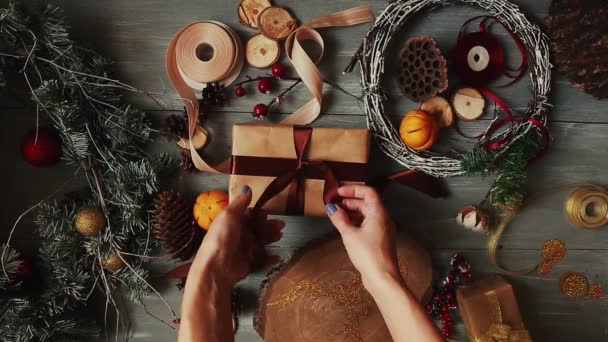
249 11
422 70
276 23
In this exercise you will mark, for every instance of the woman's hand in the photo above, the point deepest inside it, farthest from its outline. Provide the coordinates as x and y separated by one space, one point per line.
367 232
234 244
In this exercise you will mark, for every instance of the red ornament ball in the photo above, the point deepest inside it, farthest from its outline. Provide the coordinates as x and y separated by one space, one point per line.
43 149
260 111
278 70
264 85
25 269
239 91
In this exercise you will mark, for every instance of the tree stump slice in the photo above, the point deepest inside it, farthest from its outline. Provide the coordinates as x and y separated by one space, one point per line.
316 294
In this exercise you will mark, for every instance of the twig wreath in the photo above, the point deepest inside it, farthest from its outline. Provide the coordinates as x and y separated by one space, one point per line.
372 60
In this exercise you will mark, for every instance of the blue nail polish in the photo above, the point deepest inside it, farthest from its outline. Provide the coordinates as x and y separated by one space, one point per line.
245 189
331 209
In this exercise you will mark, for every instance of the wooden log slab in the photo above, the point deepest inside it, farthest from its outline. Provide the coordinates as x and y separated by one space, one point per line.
317 295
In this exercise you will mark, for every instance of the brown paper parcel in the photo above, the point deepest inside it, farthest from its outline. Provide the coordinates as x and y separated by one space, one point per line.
350 145
490 311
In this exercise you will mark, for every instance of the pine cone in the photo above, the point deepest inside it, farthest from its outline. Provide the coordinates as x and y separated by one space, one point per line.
579 42
186 163
175 127
174 225
213 95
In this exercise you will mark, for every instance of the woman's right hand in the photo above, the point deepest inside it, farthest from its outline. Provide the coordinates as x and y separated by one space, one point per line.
367 232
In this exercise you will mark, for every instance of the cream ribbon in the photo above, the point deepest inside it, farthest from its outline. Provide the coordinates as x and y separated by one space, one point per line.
304 66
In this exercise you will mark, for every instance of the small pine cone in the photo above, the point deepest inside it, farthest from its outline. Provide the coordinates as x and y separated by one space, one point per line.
213 95
174 225
186 163
175 127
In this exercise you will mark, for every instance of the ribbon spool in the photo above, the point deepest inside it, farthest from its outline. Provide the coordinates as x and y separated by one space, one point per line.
585 207
207 52
479 58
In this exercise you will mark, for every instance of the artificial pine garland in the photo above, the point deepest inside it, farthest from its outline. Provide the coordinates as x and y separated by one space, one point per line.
104 139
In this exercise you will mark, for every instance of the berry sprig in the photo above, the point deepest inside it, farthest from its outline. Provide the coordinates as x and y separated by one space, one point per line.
444 295
265 85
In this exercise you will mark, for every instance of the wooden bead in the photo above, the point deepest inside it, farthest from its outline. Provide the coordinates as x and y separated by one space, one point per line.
468 103
276 23
262 52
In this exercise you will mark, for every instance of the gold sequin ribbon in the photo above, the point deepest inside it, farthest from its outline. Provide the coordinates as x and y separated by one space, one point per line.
586 207
498 331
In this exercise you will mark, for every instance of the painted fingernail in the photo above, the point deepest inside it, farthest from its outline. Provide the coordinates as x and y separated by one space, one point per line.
331 209
245 189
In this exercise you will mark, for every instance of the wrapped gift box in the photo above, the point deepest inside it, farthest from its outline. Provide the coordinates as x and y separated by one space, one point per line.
490 312
263 152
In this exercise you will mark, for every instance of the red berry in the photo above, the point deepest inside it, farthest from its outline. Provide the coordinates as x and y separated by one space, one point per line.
444 308
239 91
468 277
278 70
448 296
264 85
437 298
260 110
429 308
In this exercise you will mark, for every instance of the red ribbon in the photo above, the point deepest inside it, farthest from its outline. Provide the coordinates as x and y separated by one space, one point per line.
295 177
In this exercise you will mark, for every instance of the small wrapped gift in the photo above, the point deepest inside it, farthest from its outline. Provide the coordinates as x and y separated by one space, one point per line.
296 170
490 311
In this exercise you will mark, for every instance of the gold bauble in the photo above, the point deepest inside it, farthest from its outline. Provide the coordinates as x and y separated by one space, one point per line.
112 261
90 221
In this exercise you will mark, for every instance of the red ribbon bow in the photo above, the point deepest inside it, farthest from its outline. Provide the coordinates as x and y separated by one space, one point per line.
295 178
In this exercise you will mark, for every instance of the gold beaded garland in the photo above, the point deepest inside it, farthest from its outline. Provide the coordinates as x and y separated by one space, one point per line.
112 261
90 221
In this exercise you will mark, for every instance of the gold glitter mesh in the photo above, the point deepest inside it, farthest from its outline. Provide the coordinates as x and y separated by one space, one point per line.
574 285
544 268
352 297
596 291
553 251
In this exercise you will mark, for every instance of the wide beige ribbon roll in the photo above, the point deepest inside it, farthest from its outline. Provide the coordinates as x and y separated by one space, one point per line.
184 68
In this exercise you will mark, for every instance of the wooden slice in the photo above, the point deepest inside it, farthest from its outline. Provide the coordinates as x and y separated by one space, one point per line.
198 140
250 10
276 23
439 108
468 103
262 52
317 295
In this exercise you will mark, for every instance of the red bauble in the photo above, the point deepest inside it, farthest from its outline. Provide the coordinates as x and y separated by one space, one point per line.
25 270
41 151
278 70
264 85
239 91
260 110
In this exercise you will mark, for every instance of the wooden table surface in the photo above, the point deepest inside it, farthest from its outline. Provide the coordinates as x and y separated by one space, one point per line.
136 33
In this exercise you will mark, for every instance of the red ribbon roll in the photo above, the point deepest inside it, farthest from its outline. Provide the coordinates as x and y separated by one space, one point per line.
479 59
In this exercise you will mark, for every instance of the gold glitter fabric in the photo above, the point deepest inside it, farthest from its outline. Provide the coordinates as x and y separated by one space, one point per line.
574 285
553 251
544 268
352 297
90 221
596 291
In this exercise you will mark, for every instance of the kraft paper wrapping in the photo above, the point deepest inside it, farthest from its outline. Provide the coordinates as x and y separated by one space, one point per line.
276 141
489 303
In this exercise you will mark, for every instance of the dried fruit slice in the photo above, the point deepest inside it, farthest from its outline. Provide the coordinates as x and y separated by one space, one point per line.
439 108
468 103
261 52
276 23
250 10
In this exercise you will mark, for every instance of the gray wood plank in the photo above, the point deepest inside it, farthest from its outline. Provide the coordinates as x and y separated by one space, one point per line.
136 34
